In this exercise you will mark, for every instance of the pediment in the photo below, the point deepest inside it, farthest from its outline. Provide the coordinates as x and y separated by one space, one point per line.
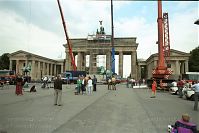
178 53
20 53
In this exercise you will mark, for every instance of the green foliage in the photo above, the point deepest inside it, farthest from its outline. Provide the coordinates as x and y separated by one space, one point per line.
194 60
4 61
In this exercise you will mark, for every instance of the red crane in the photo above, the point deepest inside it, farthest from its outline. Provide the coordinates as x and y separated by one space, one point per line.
161 71
67 38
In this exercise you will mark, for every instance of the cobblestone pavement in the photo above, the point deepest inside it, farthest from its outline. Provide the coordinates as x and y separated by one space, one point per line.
125 110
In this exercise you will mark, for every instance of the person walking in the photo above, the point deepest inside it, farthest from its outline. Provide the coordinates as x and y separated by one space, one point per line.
58 90
127 82
180 85
153 88
79 84
19 84
83 85
109 83
195 87
89 85
113 80
94 83
132 82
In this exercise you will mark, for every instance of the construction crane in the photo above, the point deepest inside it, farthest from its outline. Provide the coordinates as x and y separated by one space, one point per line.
67 38
161 71
112 41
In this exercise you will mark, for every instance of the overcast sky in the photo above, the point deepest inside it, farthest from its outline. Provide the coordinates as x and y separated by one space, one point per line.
35 25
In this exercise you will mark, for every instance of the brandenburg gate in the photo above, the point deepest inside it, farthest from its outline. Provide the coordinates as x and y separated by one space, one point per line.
100 44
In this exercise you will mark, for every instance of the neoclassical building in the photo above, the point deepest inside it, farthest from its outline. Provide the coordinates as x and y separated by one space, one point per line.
178 61
40 65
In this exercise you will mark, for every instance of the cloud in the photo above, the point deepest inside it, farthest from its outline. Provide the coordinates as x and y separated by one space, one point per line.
16 34
183 31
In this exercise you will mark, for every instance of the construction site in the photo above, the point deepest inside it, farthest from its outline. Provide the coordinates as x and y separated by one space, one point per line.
98 50
100 54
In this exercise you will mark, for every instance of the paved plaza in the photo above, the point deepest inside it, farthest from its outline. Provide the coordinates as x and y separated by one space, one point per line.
125 110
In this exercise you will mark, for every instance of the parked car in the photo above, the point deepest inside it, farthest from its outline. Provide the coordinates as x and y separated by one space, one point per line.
174 88
189 94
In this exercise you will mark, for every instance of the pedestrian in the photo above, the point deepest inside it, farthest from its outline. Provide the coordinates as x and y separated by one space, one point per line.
127 82
58 90
153 88
180 85
79 84
132 82
45 82
109 83
143 81
94 83
113 80
68 79
83 85
89 85
184 125
19 84
140 82
195 87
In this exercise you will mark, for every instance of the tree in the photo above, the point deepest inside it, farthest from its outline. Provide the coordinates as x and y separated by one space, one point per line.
194 60
4 61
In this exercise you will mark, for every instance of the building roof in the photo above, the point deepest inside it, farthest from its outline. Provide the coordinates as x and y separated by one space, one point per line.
30 54
171 51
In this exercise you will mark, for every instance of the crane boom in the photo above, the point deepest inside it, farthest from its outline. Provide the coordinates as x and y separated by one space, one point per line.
161 71
112 41
161 62
67 38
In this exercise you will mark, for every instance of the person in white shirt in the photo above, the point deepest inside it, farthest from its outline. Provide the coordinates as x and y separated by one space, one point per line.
195 87
90 84
83 88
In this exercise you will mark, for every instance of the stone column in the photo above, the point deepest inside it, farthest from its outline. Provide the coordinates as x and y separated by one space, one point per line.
26 62
62 69
33 70
17 66
108 60
68 62
182 67
139 71
10 67
155 64
55 70
186 66
79 61
133 64
90 63
177 69
39 70
51 69
84 62
44 68
121 63
47 68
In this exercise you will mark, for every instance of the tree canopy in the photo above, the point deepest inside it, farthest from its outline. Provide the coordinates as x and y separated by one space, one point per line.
194 60
4 61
